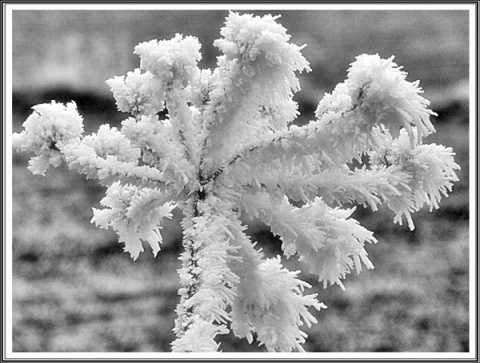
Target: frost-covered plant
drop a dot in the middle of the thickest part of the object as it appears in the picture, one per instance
(228, 147)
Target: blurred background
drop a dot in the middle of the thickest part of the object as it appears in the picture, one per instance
(74, 289)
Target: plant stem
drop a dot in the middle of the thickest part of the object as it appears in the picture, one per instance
(190, 279)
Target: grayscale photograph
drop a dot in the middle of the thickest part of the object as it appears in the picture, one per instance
(278, 179)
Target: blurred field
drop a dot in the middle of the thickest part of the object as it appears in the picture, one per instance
(76, 290)
(81, 49)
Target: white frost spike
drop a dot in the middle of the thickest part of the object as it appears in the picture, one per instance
(326, 239)
(170, 60)
(135, 215)
(200, 337)
(270, 303)
(46, 130)
(384, 96)
(110, 141)
(254, 85)
(430, 170)
(138, 93)
(269, 299)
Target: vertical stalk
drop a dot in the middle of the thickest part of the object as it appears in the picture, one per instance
(189, 277)
(208, 286)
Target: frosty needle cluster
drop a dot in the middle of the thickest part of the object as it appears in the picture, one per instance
(226, 147)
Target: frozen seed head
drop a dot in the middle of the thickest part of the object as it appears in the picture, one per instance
(45, 130)
(170, 60)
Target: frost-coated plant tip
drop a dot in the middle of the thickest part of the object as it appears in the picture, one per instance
(227, 146)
